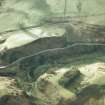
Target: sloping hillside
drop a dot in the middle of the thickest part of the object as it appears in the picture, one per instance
(14, 13)
(52, 52)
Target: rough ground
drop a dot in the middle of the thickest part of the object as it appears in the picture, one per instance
(10, 94)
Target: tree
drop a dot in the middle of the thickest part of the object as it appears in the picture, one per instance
(79, 6)
(65, 8)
